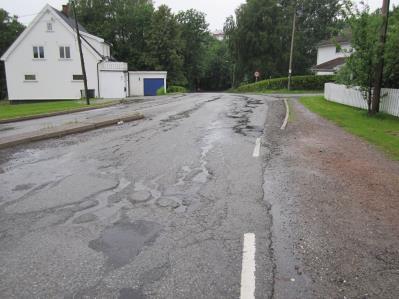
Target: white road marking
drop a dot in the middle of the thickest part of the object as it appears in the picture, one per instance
(257, 148)
(248, 267)
(287, 115)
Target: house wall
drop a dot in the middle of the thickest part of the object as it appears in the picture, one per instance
(136, 81)
(327, 53)
(53, 75)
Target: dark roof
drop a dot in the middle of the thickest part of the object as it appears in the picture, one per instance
(342, 39)
(70, 21)
(330, 65)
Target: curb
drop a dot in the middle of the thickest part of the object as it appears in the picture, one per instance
(23, 118)
(66, 130)
(287, 115)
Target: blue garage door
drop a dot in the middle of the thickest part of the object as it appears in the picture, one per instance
(151, 86)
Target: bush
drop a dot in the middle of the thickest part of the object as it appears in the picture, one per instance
(311, 82)
(176, 89)
(161, 91)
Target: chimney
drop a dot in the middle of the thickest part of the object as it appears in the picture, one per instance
(65, 9)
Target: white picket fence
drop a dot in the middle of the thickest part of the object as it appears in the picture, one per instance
(353, 97)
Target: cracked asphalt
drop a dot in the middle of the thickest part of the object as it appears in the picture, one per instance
(158, 208)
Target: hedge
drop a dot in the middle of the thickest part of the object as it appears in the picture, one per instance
(176, 89)
(311, 82)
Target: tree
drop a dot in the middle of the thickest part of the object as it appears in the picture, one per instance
(194, 35)
(217, 75)
(165, 47)
(361, 65)
(123, 23)
(10, 29)
(259, 36)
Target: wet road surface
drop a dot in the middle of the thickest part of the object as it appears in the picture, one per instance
(205, 198)
(152, 209)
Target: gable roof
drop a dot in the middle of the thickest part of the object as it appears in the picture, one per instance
(341, 39)
(63, 19)
(330, 66)
(70, 21)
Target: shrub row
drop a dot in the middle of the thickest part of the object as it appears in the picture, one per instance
(311, 82)
(176, 89)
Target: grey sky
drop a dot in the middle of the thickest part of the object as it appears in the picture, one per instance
(216, 10)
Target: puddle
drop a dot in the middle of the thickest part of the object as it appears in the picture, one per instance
(122, 242)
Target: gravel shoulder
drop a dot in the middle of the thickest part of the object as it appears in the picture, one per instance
(335, 201)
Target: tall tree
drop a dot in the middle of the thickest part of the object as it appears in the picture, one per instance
(260, 35)
(123, 23)
(194, 34)
(165, 47)
(10, 28)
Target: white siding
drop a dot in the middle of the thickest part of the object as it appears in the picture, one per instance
(327, 53)
(54, 75)
(136, 81)
(353, 97)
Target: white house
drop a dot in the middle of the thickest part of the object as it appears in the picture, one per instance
(331, 55)
(44, 63)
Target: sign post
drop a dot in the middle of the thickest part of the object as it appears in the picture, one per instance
(257, 75)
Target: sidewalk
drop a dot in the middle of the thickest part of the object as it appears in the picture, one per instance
(12, 134)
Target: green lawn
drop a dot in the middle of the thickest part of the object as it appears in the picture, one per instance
(382, 130)
(8, 111)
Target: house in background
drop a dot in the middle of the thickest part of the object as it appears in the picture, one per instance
(218, 34)
(331, 55)
(44, 63)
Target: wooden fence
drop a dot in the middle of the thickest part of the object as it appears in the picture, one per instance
(353, 97)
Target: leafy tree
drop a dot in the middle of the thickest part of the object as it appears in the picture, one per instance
(165, 47)
(123, 23)
(260, 35)
(218, 71)
(361, 65)
(194, 34)
(10, 29)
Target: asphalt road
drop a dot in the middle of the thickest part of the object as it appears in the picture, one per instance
(153, 209)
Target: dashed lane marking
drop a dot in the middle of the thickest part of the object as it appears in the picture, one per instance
(248, 267)
(257, 148)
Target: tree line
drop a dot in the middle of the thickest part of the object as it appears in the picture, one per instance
(257, 38)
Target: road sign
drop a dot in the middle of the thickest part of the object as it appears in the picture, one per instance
(257, 74)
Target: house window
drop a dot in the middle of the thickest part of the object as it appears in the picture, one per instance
(30, 77)
(77, 77)
(38, 52)
(65, 52)
(49, 26)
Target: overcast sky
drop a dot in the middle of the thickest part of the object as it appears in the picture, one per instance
(216, 10)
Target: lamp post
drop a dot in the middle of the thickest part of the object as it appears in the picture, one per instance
(292, 47)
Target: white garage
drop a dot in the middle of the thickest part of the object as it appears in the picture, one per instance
(146, 83)
(112, 80)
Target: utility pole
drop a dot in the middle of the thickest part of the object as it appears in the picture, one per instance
(375, 104)
(82, 61)
(292, 48)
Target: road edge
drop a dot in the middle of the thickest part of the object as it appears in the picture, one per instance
(66, 130)
(287, 115)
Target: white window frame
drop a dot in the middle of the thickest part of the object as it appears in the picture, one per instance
(64, 52)
(49, 24)
(77, 80)
(30, 80)
(38, 53)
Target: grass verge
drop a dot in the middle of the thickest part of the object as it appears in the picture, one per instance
(8, 112)
(381, 130)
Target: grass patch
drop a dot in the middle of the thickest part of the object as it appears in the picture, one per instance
(8, 111)
(381, 130)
